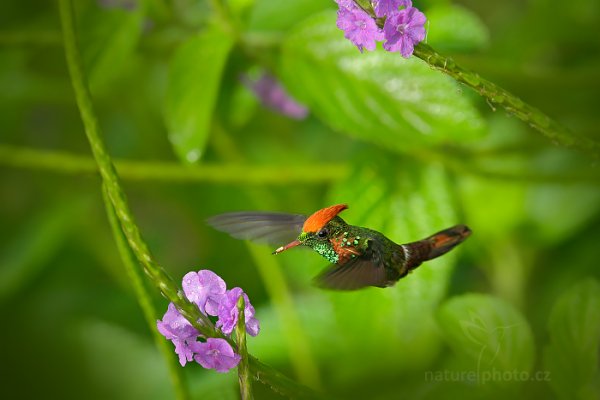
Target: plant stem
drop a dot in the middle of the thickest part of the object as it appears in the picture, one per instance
(65, 162)
(274, 280)
(144, 300)
(280, 383)
(243, 368)
(157, 274)
(496, 95)
(246, 174)
(109, 176)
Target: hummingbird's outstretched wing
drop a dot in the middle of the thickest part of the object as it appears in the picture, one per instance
(367, 269)
(355, 274)
(263, 227)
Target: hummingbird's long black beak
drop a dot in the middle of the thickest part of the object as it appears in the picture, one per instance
(288, 246)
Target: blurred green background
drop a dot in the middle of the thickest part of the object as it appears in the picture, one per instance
(515, 311)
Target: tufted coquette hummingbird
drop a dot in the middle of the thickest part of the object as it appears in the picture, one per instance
(360, 257)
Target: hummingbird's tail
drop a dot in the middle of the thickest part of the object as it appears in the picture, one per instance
(434, 245)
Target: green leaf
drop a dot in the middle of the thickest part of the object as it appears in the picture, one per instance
(572, 355)
(376, 96)
(194, 81)
(454, 28)
(108, 42)
(488, 334)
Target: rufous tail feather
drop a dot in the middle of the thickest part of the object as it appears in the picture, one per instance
(434, 246)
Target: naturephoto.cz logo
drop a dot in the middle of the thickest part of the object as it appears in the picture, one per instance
(483, 377)
(483, 343)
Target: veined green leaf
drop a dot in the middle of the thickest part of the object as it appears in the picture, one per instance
(376, 96)
(572, 355)
(194, 81)
(488, 334)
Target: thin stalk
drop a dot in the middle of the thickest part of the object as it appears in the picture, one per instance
(157, 274)
(301, 355)
(245, 174)
(495, 95)
(143, 298)
(243, 366)
(274, 280)
(109, 176)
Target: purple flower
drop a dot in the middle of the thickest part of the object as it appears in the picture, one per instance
(208, 291)
(358, 26)
(272, 95)
(178, 330)
(215, 354)
(387, 7)
(349, 4)
(205, 288)
(228, 313)
(403, 29)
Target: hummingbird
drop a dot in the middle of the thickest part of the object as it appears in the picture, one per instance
(359, 257)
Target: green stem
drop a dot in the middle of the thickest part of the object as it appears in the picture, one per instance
(64, 162)
(243, 366)
(274, 280)
(68, 163)
(280, 383)
(157, 275)
(113, 187)
(496, 95)
(144, 300)
(270, 272)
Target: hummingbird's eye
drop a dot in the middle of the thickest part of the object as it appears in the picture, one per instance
(323, 233)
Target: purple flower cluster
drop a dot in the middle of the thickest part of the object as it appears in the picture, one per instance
(272, 95)
(209, 292)
(403, 28)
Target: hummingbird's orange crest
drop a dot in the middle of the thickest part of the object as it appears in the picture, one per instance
(320, 218)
